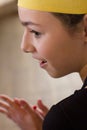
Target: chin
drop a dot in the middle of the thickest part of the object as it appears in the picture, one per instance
(57, 74)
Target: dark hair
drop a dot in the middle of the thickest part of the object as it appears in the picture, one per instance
(71, 20)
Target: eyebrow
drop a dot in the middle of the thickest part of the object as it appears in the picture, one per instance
(29, 23)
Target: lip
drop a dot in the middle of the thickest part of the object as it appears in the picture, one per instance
(43, 64)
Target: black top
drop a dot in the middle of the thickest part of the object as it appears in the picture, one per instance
(70, 113)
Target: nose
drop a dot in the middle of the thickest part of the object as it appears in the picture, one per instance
(26, 44)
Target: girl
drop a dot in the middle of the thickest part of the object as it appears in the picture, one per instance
(56, 35)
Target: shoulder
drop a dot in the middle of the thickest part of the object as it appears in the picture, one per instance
(76, 100)
(69, 112)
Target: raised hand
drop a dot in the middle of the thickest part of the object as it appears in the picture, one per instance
(22, 113)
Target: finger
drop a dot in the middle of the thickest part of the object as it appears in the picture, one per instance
(17, 101)
(6, 99)
(4, 108)
(20, 104)
(3, 111)
(26, 106)
(42, 106)
(38, 112)
(4, 105)
(12, 105)
(43, 109)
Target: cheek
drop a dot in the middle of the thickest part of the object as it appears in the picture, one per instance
(57, 54)
(56, 50)
(51, 49)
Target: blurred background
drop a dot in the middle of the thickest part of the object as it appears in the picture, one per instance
(20, 75)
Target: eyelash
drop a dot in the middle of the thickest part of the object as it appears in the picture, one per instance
(37, 34)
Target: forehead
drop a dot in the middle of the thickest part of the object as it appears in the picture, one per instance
(44, 19)
(27, 14)
(37, 16)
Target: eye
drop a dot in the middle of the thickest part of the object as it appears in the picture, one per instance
(36, 33)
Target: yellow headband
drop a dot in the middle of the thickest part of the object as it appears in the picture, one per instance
(61, 6)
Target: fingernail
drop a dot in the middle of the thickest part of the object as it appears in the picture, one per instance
(34, 107)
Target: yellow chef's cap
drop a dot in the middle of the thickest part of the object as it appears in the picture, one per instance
(60, 6)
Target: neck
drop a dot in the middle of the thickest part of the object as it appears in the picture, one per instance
(83, 73)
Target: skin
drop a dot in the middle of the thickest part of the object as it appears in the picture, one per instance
(64, 50)
(60, 53)
(24, 115)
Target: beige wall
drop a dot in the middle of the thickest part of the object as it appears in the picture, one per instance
(2, 2)
(20, 75)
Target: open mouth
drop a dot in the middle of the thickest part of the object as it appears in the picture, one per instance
(43, 63)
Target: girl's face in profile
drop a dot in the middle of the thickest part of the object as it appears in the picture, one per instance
(57, 50)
